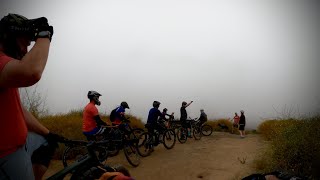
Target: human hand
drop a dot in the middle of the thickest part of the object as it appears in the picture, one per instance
(41, 28)
(114, 176)
(53, 139)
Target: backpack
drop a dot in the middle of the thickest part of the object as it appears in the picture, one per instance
(113, 115)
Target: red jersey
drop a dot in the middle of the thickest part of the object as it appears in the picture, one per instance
(89, 112)
(236, 120)
(13, 128)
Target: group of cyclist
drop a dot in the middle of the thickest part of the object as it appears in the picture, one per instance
(26, 146)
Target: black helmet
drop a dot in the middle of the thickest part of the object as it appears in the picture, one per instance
(184, 103)
(18, 25)
(165, 110)
(156, 104)
(15, 25)
(124, 104)
(92, 94)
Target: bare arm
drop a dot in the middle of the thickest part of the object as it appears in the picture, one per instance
(28, 70)
(34, 125)
(189, 103)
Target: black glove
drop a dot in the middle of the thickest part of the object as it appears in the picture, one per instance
(44, 32)
(53, 139)
(41, 28)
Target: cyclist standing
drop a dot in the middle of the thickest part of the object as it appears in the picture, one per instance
(92, 123)
(242, 124)
(164, 114)
(184, 115)
(26, 146)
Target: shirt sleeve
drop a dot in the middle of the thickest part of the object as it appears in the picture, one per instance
(3, 61)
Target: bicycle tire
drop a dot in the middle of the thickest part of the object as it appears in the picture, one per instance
(182, 135)
(206, 130)
(169, 135)
(131, 153)
(73, 153)
(145, 144)
(197, 133)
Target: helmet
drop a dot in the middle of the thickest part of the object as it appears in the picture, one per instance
(184, 103)
(242, 111)
(201, 110)
(94, 95)
(156, 104)
(15, 25)
(165, 110)
(124, 104)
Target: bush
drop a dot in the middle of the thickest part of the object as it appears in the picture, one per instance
(214, 124)
(295, 148)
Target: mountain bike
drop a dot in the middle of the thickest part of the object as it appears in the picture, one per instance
(120, 138)
(183, 133)
(88, 167)
(148, 140)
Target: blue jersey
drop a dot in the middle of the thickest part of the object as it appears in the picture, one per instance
(153, 116)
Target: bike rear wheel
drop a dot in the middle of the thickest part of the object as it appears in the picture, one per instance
(182, 135)
(197, 133)
(169, 139)
(206, 130)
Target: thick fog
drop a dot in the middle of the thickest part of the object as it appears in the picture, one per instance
(225, 55)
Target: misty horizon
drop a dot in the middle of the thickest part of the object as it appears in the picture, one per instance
(258, 56)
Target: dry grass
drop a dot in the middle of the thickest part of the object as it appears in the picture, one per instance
(70, 125)
(294, 147)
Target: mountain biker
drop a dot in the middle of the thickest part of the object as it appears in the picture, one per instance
(164, 118)
(92, 123)
(26, 146)
(203, 117)
(153, 116)
(184, 115)
(117, 114)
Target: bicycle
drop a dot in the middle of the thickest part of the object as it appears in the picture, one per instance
(182, 134)
(165, 136)
(125, 139)
(88, 167)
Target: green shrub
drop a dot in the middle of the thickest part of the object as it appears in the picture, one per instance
(295, 148)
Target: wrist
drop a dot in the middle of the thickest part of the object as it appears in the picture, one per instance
(44, 34)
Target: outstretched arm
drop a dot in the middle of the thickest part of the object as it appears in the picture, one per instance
(189, 104)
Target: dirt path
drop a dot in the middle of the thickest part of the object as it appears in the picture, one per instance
(216, 157)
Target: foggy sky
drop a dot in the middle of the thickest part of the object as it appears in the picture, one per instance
(225, 55)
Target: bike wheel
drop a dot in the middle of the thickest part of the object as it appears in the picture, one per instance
(196, 133)
(182, 135)
(145, 144)
(169, 139)
(131, 153)
(72, 154)
(206, 130)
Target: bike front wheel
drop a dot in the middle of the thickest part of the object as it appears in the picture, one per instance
(169, 139)
(145, 144)
(197, 133)
(206, 130)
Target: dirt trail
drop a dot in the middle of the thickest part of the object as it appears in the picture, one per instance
(216, 157)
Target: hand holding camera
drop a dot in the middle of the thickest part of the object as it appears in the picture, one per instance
(41, 29)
